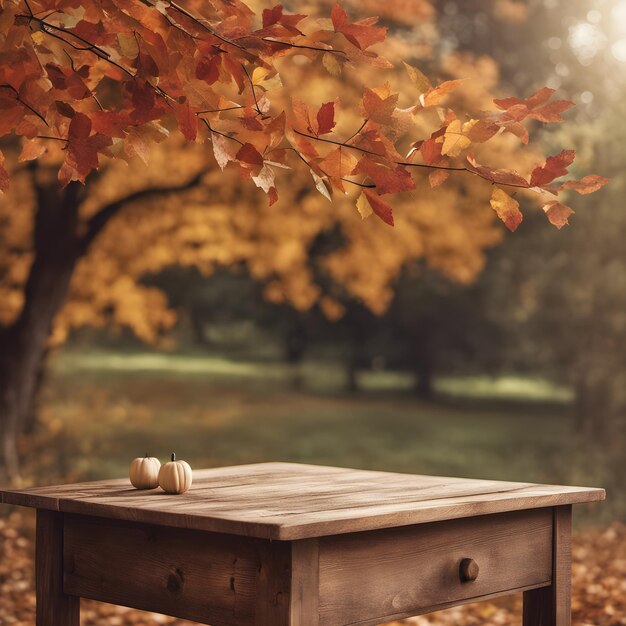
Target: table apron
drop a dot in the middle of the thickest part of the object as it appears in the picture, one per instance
(371, 577)
(357, 578)
(211, 578)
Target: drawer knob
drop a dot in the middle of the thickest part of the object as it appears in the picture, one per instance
(468, 570)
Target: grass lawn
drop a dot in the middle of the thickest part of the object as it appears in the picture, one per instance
(102, 409)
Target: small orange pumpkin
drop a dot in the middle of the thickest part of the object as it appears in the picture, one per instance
(175, 476)
(144, 472)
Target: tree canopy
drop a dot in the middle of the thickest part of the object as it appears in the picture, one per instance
(108, 79)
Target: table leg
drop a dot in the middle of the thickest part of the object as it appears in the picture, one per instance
(551, 606)
(54, 607)
(304, 609)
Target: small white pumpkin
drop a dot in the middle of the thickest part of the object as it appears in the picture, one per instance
(144, 472)
(175, 476)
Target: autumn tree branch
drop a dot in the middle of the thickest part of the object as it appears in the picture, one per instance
(97, 223)
(408, 163)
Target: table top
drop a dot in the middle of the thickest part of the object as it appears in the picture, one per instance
(294, 501)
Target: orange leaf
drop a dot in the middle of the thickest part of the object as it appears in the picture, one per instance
(586, 185)
(482, 131)
(438, 177)
(339, 163)
(379, 105)
(557, 213)
(32, 149)
(503, 177)
(435, 95)
(506, 208)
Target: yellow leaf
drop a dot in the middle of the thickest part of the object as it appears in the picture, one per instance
(363, 206)
(128, 45)
(259, 75)
(38, 37)
(454, 140)
(507, 208)
(331, 64)
(417, 78)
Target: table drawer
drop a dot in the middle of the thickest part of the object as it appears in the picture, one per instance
(410, 570)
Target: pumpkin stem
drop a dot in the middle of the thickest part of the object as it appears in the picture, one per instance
(173, 456)
(146, 455)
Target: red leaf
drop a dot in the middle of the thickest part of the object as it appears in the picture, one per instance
(557, 213)
(554, 167)
(144, 102)
(431, 148)
(538, 98)
(208, 69)
(326, 118)
(82, 150)
(272, 195)
(272, 16)
(80, 128)
(380, 207)
(187, 121)
(339, 17)
(361, 34)
(110, 123)
(386, 180)
(535, 106)
(585, 185)
(249, 154)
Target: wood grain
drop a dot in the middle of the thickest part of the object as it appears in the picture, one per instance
(273, 585)
(372, 577)
(54, 606)
(288, 501)
(305, 583)
(205, 577)
(551, 606)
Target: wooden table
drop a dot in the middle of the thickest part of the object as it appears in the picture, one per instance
(277, 544)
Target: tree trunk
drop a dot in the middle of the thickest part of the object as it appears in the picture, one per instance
(58, 244)
(23, 345)
(423, 385)
(424, 362)
(594, 409)
(295, 349)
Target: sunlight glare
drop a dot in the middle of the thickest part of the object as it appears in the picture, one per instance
(586, 40)
(619, 50)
